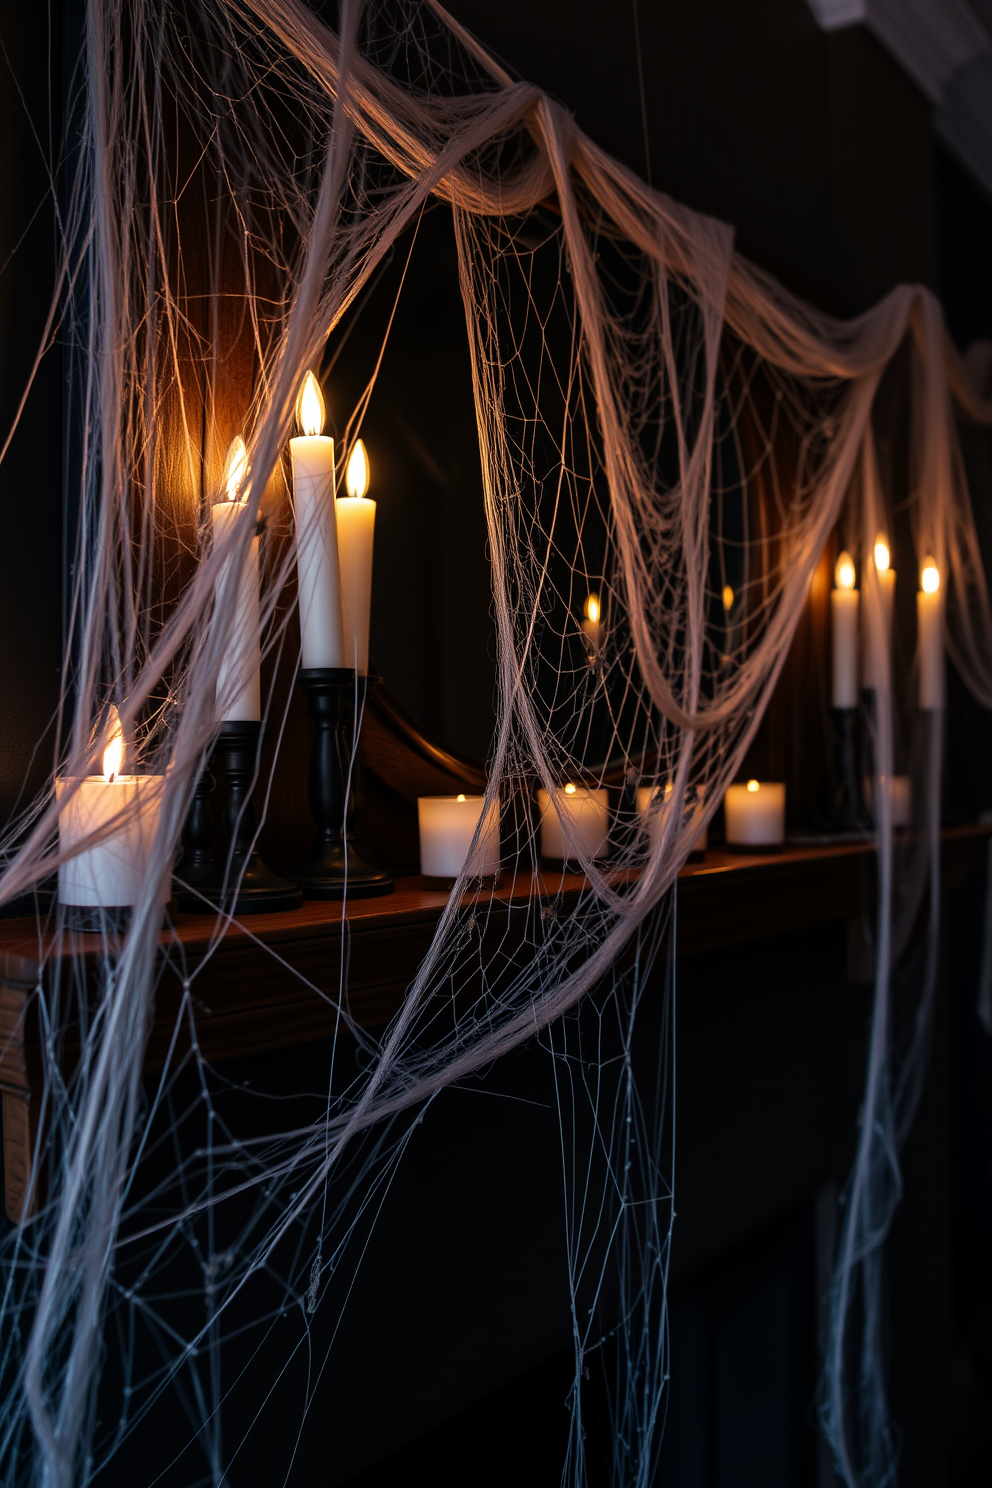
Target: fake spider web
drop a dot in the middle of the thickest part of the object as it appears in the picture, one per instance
(659, 423)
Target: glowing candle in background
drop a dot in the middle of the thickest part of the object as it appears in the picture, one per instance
(573, 821)
(653, 806)
(238, 683)
(930, 622)
(755, 814)
(447, 827)
(844, 607)
(885, 579)
(112, 873)
(356, 530)
(317, 563)
(592, 625)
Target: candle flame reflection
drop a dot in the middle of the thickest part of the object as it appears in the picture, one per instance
(753, 786)
(310, 407)
(235, 468)
(882, 555)
(113, 755)
(930, 577)
(358, 474)
(844, 572)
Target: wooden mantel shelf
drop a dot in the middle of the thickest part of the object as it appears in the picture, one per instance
(276, 981)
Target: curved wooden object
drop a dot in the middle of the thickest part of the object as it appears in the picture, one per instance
(407, 759)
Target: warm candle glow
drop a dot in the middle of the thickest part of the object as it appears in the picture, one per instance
(591, 608)
(356, 477)
(930, 577)
(310, 407)
(728, 598)
(882, 558)
(570, 790)
(113, 755)
(235, 468)
(844, 572)
(460, 798)
(753, 786)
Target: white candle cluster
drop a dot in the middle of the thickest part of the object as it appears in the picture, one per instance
(844, 618)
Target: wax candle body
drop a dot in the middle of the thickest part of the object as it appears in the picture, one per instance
(447, 827)
(113, 873)
(238, 685)
(317, 558)
(575, 821)
(356, 530)
(755, 817)
(930, 622)
(900, 798)
(844, 607)
(885, 580)
(652, 808)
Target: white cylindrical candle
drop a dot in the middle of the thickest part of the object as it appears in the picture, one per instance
(576, 820)
(113, 873)
(844, 607)
(885, 587)
(317, 560)
(239, 690)
(356, 531)
(930, 622)
(447, 827)
(755, 814)
(652, 809)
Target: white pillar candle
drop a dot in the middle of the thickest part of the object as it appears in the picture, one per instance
(239, 689)
(652, 809)
(576, 820)
(447, 827)
(844, 606)
(112, 874)
(356, 530)
(317, 562)
(755, 814)
(930, 623)
(900, 797)
(885, 587)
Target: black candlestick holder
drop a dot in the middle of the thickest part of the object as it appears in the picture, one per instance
(238, 882)
(338, 865)
(198, 833)
(848, 814)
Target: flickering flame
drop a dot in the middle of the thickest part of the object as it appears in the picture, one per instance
(235, 468)
(459, 798)
(592, 608)
(356, 477)
(113, 755)
(753, 787)
(930, 577)
(310, 407)
(570, 789)
(728, 598)
(844, 572)
(882, 557)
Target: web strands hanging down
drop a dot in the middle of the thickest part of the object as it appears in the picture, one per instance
(657, 419)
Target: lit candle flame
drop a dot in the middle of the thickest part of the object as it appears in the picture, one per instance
(882, 555)
(235, 468)
(570, 789)
(310, 407)
(930, 577)
(113, 755)
(356, 477)
(844, 572)
(753, 787)
(592, 608)
(459, 798)
(728, 598)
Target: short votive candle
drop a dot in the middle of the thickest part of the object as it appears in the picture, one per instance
(574, 823)
(447, 829)
(755, 814)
